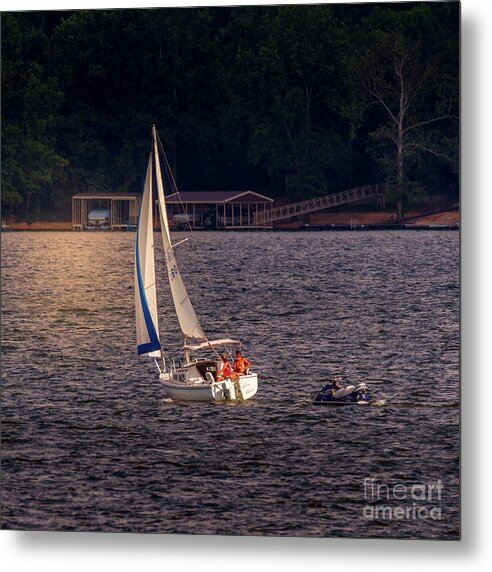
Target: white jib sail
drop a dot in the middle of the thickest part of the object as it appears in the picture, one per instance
(188, 321)
(145, 291)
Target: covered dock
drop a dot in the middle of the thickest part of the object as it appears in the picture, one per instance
(122, 209)
(217, 209)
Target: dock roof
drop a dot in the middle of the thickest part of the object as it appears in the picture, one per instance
(108, 196)
(215, 197)
(200, 197)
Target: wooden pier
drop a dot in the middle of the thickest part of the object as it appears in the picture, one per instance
(270, 216)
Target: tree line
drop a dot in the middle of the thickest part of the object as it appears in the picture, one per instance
(294, 101)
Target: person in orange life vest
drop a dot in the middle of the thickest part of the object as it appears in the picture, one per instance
(241, 364)
(226, 370)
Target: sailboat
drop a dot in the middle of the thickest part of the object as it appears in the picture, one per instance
(189, 378)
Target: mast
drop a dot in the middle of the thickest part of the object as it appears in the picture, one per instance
(186, 352)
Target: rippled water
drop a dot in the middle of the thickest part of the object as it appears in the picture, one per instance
(89, 441)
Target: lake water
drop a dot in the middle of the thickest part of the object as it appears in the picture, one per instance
(89, 441)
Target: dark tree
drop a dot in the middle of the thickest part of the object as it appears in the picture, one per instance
(31, 100)
(403, 71)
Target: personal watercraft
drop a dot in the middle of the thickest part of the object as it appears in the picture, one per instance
(335, 394)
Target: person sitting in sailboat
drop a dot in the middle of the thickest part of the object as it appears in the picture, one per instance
(226, 370)
(241, 364)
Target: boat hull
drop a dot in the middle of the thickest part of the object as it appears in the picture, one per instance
(340, 403)
(242, 389)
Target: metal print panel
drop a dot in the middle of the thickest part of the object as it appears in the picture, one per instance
(309, 156)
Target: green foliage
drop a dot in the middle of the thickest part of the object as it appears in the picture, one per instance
(292, 84)
(31, 100)
(405, 91)
(269, 98)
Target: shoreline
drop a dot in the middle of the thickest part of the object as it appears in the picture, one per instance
(307, 228)
(334, 221)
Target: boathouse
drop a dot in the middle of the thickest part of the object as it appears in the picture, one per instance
(122, 211)
(217, 209)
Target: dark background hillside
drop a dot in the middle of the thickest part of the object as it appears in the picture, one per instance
(292, 101)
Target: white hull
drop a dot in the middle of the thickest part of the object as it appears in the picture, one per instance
(341, 403)
(244, 388)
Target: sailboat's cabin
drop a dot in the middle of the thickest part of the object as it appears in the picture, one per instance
(198, 371)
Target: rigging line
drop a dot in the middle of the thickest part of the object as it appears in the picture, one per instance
(176, 190)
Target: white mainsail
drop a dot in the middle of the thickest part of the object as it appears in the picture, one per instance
(145, 291)
(188, 321)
